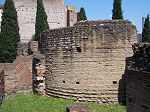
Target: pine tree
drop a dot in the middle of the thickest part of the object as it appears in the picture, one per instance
(117, 10)
(9, 33)
(82, 15)
(41, 19)
(146, 30)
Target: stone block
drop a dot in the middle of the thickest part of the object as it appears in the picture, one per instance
(78, 108)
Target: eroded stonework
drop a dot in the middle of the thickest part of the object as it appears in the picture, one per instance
(57, 16)
(138, 79)
(87, 62)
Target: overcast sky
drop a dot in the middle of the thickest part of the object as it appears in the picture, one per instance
(133, 10)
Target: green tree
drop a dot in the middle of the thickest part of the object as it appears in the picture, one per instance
(117, 10)
(82, 15)
(146, 30)
(41, 19)
(9, 33)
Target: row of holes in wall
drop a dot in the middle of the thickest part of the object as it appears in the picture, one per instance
(114, 82)
(76, 82)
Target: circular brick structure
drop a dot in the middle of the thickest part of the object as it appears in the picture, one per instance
(87, 62)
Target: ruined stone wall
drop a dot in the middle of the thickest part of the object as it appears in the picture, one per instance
(26, 49)
(71, 15)
(138, 91)
(18, 75)
(86, 62)
(1, 85)
(138, 79)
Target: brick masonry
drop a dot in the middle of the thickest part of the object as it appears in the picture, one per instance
(138, 79)
(87, 62)
(1, 85)
(138, 91)
(18, 75)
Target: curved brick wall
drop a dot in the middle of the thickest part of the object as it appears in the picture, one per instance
(86, 62)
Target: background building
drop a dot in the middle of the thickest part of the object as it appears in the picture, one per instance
(58, 16)
(1, 10)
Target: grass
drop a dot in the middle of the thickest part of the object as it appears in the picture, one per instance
(35, 103)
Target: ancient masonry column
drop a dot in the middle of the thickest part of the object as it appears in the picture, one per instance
(38, 74)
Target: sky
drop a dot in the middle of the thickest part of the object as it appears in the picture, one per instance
(133, 10)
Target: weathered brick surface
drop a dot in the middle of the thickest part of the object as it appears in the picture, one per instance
(138, 79)
(33, 47)
(138, 91)
(78, 108)
(18, 75)
(86, 62)
(1, 85)
(38, 74)
(26, 49)
(22, 49)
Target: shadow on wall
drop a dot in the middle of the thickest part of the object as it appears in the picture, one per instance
(122, 85)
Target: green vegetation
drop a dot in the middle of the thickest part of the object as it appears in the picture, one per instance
(117, 10)
(9, 33)
(82, 15)
(35, 103)
(146, 30)
(41, 23)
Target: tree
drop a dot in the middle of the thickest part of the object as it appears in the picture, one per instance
(146, 30)
(117, 10)
(9, 33)
(82, 15)
(41, 19)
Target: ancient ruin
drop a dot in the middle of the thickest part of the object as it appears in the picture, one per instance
(91, 61)
(95, 61)
(138, 79)
(87, 62)
(58, 16)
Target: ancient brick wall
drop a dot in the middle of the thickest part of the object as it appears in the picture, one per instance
(33, 46)
(86, 62)
(71, 15)
(22, 49)
(38, 73)
(18, 75)
(138, 79)
(55, 13)
(1, 85)
(138, 91)
(26, 49)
